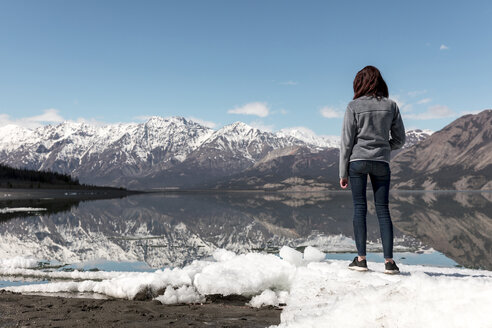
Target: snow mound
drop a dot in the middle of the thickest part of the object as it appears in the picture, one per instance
(17, 262)
(183, 294)
(269, 297)
(327, 292)
(312, 254)
(312, 294)
(291, 255)
(245, 274)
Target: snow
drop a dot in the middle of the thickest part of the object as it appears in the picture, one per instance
(158, 141)
(331, 243)
(329, 293)
(312, 254)
(291, 255)
(20, 209)
(18, 262)
(245, 274)
(183, 294)
(269, 298)
(308, 136)
(311, 291)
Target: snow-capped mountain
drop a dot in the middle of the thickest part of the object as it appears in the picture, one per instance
(415, 136)
(160, 153)
(309, 137)
(124, 154)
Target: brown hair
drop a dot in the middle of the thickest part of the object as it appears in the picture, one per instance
(369, 82)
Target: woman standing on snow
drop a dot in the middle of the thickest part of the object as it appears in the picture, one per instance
(372, 128)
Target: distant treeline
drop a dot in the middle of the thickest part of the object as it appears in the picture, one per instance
(23, 178)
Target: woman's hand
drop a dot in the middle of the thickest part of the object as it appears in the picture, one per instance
(344, 183)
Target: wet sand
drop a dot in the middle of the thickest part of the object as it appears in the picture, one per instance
(17, 310)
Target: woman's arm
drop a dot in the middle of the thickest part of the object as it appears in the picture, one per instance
(349, 129)
(398, 136)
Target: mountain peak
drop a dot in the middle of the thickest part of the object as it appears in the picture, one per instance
(170, 119)
(459, 156)
(239, 127)
(309, 136)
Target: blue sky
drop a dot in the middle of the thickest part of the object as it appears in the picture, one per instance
(273, 64)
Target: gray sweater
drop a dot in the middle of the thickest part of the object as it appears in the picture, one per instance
(372, 128)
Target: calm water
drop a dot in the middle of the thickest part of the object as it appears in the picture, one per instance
(149, 231)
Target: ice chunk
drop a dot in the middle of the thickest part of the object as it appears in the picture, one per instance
(312, 254)
(183, 294)
(269, 297)
(291, 255)
(245, 274)
(221, 255)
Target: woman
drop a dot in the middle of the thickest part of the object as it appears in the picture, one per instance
(372, 128)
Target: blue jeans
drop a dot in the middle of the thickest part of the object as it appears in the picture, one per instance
(380, 175)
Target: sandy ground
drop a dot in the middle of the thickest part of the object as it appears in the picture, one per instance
(17, 310)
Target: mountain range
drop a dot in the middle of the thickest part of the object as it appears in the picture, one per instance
(160, 153)
(176, 153)
(457, 157)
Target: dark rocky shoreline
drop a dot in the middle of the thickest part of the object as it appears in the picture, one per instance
(18, 310)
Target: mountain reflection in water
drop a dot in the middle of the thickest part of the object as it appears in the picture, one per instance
(174, 229)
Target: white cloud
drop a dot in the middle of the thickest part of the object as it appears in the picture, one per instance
(398, 100)
(443, 47)
(290, 82)
(90, 121)
(424, 101)
(433, 112)
(260, 125)
(208, 124)
(260, 109)
(280, 111)
(416, 93)
(330, 112)
(407, 108)
(473, 112)
(48, 116)
(143, 117)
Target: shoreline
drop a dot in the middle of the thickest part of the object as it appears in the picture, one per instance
(66, 193)
(47, 311)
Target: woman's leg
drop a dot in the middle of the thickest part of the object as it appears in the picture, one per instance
(358, 183)
(380, 178)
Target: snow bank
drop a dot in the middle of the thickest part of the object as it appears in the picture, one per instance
(312, 294)
(245, 274)
(269, 297)
(329, 295)
(18, 262)
(183, 294)
(125, 285)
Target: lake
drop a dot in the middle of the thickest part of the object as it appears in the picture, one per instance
(148, 231)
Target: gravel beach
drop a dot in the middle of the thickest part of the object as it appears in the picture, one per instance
(18, 310)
